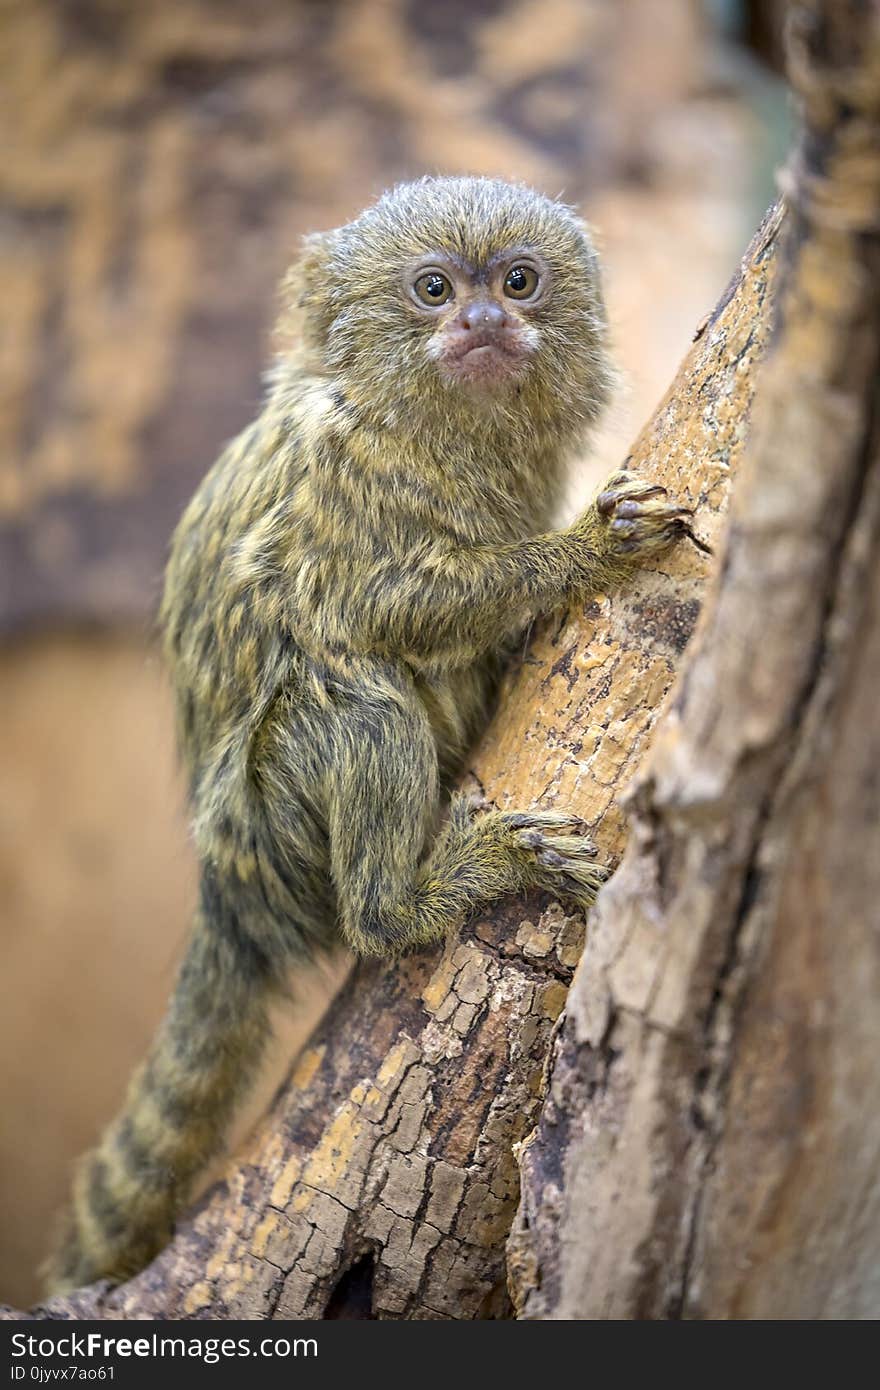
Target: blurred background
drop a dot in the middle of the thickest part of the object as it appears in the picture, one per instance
(160, 163)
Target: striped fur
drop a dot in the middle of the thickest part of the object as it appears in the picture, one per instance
(338, 593)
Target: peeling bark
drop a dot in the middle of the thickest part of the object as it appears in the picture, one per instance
(383, 1183)
(710, 1143)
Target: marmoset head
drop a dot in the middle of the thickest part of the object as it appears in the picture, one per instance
(454, 293)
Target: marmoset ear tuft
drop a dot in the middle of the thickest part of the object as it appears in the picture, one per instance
(307, 308)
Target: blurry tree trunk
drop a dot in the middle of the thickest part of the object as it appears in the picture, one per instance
(384, 1183)
(710, 1144)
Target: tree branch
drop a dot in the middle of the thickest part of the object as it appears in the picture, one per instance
(710, 1143)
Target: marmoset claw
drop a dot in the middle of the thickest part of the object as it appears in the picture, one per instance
(639, 523)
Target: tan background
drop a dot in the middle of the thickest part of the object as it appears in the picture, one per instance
(162, 162)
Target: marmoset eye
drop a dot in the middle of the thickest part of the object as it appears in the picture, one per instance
(520, 282)
(433, 288)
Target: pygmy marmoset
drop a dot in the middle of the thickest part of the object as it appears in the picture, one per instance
(337, 595)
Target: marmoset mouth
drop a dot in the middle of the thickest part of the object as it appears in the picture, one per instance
(486, 360)
(484, 348)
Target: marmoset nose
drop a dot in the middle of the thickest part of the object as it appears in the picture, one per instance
(482, 313)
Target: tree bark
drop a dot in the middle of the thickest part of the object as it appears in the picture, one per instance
(383, 1183)
(710, 1143)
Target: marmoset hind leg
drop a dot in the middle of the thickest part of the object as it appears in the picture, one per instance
(384, 803)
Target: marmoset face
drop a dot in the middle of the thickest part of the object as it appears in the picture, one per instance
(481, 316)
(454, 292)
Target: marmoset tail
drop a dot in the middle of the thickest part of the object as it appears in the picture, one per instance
(337, 598)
